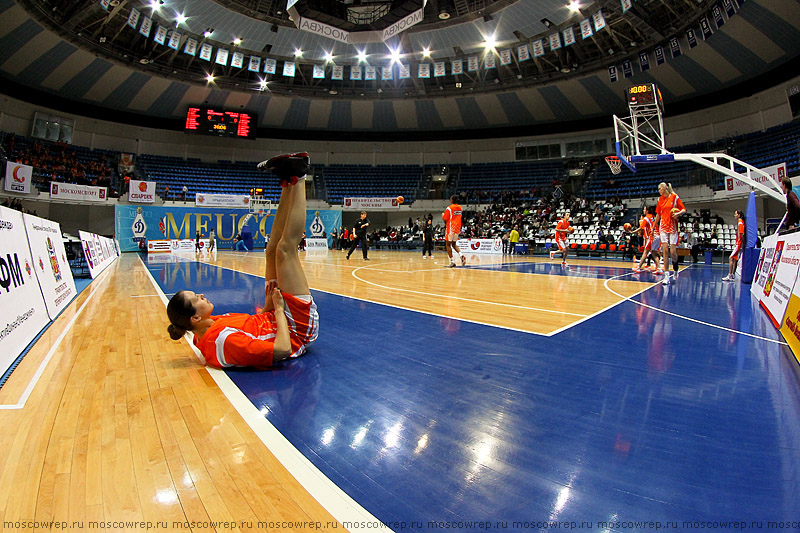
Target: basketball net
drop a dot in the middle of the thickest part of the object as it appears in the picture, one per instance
(615, 163)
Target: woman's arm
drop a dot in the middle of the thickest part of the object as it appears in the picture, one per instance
(283, 345)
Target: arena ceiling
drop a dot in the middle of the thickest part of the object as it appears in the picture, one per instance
(85, 56)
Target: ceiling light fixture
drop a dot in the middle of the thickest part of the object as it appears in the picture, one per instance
(208, 32)
(362, 55)
(298, 52)
(237, 41)
(574, 6)
(426, 52)
(490, 42)
(180, 18)
(547, 23)
(210, 78)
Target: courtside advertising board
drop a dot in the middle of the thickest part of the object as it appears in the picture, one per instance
(50, 263)
(23, 313)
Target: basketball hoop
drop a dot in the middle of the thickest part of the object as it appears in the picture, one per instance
(615, 163)
(260, 205)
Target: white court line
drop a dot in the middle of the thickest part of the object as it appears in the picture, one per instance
(23, 399)
(333, 499)
(459, 297)
(709, 324)
(146, 296)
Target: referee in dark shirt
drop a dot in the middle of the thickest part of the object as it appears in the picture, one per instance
(360, 230)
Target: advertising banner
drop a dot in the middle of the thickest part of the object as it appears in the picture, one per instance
(69, 191)
(176, 246)
(221, 200)
(734, 186)
(143, 192)
(480, 246)
(18, 177)
(150, 222)
(100, 252)
(50, 263)
(23, 313)
(351, 203)
(316, 244)
(776, 274)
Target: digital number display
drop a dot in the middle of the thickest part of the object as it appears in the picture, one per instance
(641, 95)
(209, 121)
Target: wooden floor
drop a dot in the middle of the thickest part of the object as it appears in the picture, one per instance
(125, 427)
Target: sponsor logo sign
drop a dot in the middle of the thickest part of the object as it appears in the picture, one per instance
(18, 178)
(69, 191)
(142, 192)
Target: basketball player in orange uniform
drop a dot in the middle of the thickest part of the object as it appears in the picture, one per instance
(739, 246)
(669, 208)
(452, 220)
(647, 230)
(289, 321)
(562, 231)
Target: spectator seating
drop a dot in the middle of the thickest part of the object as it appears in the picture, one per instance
(365, 180)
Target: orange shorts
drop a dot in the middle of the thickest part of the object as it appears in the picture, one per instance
(303, 318)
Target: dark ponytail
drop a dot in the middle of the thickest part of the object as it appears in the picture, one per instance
(180, 312)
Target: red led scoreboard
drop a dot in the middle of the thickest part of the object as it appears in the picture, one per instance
(210, 121)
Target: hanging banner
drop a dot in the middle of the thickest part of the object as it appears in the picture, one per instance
(505, 57)
(457, 66)
(424, 70)
(538, 48)
(438, 69)
(599, 21)
(555, 41)
(191, 47)
(69, 191)
(729, 9)
(237, 60)
(523, 53)
(691, 37)
(147, 23)
(355, 72)
(161, 35)
(403, 71)
(716, 12)
(222, 57)
(18, 178)
(370, 72)
(363, 203)
(174, 40)
(612, 73)
(205, 52)
(569, 36)
(472, 63)
(675, 47)
(489, 61)
(221, 200)
(133, 18)
(627, 68)
(337, 73)
(586, 28)
(254, 65)
(270, 65)
(289, 69)
(659, 53)
(23, 313)
(626, 5)
(387, 73)
(318, 72)
(142, 192)
(644, 61)
(50, 263)
(705, 28)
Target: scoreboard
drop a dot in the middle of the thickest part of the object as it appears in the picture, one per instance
(647, 94)
(220, 123)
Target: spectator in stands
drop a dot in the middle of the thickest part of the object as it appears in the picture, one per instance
(792, 205)
(5, 203)
(166, 193)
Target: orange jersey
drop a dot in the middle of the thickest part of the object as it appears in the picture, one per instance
(562, 224)
(739, 234)
(452, 218)
(239, 339)
(664, 208)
